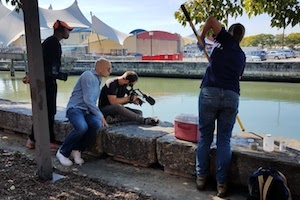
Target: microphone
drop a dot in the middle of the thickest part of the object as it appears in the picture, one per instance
(150, 100)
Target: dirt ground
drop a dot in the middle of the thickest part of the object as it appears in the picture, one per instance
(19, 181)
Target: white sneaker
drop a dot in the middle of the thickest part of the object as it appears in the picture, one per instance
(77, 157)
(63, 160)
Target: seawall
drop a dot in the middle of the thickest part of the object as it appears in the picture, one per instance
(279, 71)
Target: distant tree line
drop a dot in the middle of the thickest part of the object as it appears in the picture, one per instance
(272, 41)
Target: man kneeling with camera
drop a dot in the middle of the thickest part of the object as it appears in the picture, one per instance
(114, 95)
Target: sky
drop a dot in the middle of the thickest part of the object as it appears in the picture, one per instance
(126, 16)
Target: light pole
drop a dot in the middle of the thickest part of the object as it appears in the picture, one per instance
(151, 34)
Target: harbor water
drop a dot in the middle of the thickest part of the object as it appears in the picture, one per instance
(265, 107)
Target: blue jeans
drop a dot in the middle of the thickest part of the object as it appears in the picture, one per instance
(85, 127)
(216, 104)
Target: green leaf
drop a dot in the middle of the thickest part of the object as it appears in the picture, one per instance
(282, 12)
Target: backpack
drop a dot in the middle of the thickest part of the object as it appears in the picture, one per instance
(268, 184)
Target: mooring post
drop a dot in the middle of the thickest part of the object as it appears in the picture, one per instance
(25, 62)
(12, 68)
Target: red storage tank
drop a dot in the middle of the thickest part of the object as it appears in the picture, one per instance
(146, 58)
(170, 56)
(180, 56)
(155, 57)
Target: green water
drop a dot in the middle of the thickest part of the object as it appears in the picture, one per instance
(265, 107)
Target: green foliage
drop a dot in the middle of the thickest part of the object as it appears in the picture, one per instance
(292, 39)
(200, 10)
(270, 41)
(282, 12)
(17, 3)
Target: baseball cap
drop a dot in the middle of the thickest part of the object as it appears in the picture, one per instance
(63, 24)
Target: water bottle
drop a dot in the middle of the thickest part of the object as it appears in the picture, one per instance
(268, 143)
(282, 146)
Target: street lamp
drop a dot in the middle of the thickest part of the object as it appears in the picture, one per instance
(151, 34)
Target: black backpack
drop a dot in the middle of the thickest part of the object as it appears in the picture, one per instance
(268, 184)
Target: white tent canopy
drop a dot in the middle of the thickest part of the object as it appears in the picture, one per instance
(72, 15)
(103, 29)
(3, 10)
(14, 27)
(14, 22)
(193, 37)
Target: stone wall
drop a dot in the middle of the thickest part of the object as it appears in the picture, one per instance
(146, 146)
(255, 71)
(282, 71)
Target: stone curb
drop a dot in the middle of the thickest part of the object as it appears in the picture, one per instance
(149, 145)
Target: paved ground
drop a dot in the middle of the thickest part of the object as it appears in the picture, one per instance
(152, 181)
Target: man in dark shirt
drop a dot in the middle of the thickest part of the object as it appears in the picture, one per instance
(114, 95)
(219, 100)
(52, 62)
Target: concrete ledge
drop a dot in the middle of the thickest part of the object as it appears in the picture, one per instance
(283, 71)
(147, 145)
(16, 116)
(96, 148)
(245, 161)
(61, 129)
(280, 71)
(134, 144)
(176, 156)
(15, 122)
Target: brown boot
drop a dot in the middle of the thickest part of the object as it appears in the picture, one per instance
(222, 190)
(201, 181)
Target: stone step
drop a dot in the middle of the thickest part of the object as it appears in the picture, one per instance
(143, 145)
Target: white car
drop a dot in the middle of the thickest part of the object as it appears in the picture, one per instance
(287, 53)
(257, 55)
(277, 55)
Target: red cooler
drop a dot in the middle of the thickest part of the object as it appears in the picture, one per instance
(186, 127)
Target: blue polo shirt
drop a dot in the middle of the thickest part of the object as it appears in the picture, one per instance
(226, 65)
(86, 93)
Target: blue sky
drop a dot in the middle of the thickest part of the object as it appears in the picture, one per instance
(128, 15)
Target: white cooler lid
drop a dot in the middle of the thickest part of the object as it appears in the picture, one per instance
(187, 118)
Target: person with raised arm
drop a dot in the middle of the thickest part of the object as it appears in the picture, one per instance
(219, 100)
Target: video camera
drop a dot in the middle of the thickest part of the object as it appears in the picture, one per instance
(137, 92)
(63, 76)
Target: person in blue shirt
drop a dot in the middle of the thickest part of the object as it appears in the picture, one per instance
(219, 100)
(84, 114)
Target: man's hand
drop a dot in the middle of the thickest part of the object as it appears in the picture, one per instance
(136, 100)
(104, 123)
(133, 99)
(26, 79)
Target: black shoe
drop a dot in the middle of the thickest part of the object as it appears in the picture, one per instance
(151, 121)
